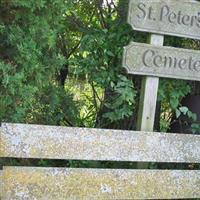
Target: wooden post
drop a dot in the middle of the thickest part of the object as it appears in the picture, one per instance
(148, 98)
(142, 18)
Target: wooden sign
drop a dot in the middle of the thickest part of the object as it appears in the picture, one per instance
(145, 59)
(41, 183)
(168, 17)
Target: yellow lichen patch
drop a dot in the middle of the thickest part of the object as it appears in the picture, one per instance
(35, 141)
(60, 184)
(2, 144)
(1, 183)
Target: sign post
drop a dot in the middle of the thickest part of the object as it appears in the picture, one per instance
(166, 17)
(148, 97)
(169, 17)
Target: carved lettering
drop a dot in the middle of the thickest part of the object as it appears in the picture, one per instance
(186, 20)
(152, 58)
(150, 15)
(182, 63)
(198, 20)
(168, 61)
(172, 18)
(142, 14)
(169, 16)
(164, 12)
(157, 61)
(145, 56)
(190, 63)
(180, 18)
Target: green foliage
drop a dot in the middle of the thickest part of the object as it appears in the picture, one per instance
(30, 61)
(99, 61)
(61, 63)
(195, 128)
(170, 94)
(122, 103)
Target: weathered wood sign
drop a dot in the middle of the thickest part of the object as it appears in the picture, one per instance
(22, 183)
(51, 142)
(161, 17)
(170, 17)
(145, 59)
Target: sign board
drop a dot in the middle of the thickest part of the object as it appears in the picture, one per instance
(145, 59)
(168, 17)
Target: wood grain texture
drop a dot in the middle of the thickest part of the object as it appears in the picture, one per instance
(167, 17)
(1, 183)
(168, 62)
(61, 184)
(148, 96)
(51, 142)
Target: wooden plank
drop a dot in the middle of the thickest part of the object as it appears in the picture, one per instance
(1, 183)
(148, 97)
(166, 62)
(60, 183)
(167, 17)
(147, 104)
(51, 142)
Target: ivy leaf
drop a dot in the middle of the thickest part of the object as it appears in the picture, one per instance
(196, 128)
(110, 54)
(178, 113)
(184, 110)
(174, 103)
(192, 115)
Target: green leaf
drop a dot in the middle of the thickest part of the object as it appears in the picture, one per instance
(174, 103)
(110, 54)
(192, 115)
(178, 113)
(196, 128)
(184, 110)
